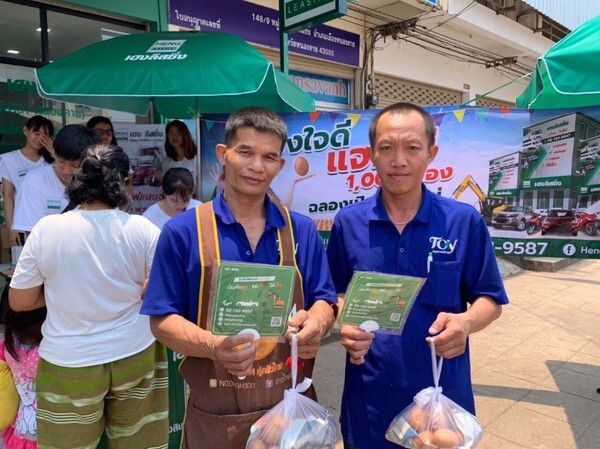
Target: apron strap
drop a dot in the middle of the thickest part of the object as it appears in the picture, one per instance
(210, 256)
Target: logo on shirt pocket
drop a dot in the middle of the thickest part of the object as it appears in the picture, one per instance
(441, 245)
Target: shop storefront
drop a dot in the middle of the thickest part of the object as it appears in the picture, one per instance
(35, 33)
(322, 60)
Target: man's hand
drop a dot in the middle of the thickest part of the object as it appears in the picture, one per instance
(357, 342)
(311, 325)
(235, 353)
(451, 331)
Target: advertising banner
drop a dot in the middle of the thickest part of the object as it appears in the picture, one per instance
(144, 144)
(522, 170)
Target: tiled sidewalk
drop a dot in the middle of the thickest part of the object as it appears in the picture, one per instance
(537, 368)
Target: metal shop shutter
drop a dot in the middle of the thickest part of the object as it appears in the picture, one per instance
(392, 90)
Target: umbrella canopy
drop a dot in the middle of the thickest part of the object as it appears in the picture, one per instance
(184, 73)
(568, 75)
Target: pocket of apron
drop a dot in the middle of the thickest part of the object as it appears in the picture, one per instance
(207, 431)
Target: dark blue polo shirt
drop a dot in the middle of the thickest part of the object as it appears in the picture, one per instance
(464, 267)
(175, 276)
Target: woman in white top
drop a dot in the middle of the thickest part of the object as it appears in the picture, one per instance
(177, 187)
(37, 152)
(89, 267)
(180, 148)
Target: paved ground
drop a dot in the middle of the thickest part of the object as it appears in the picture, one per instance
(535, 370)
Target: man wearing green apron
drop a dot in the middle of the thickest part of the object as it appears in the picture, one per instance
(235, 379)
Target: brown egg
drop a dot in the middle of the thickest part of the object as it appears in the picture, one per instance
(427, 437)
(447, 438)
(272, 432)
(418, 419)
(301, 166)
(257, 444)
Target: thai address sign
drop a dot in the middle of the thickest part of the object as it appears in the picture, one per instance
(300, 14)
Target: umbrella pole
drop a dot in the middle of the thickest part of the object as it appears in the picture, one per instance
(198, 159)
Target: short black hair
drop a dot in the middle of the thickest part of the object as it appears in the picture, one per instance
(71, 141)
(260, 119)
(178, 181)
(400, 109)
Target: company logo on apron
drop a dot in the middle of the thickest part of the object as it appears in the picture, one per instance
(162, 49)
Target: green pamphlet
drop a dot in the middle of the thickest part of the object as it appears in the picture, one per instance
(253, 296)
(380, 301)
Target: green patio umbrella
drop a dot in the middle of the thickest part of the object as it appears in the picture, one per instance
(568, 75)
(184, 73)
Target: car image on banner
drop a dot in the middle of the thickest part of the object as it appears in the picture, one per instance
(560, 220)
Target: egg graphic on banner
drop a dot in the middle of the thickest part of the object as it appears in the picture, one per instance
(301, 166)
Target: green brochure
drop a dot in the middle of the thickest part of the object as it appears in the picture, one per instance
(253, 296)
(380, 301)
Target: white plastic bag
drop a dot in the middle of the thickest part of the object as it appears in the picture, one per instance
(433, 421)
(296, 422)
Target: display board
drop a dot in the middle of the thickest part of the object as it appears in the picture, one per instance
(532, 174)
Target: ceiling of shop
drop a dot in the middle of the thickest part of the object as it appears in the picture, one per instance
(67, 33)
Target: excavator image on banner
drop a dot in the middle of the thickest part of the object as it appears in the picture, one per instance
(487, 204)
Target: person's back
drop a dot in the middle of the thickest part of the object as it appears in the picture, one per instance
(106, 257)
(91, 265)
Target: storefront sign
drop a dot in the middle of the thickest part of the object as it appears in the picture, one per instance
(325, 89)
(260, 25)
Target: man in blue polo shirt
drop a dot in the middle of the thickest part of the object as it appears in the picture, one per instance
(405, 229)
(234, 379)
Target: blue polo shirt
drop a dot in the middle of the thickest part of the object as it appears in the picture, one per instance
(174, 282)
(464, 267)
